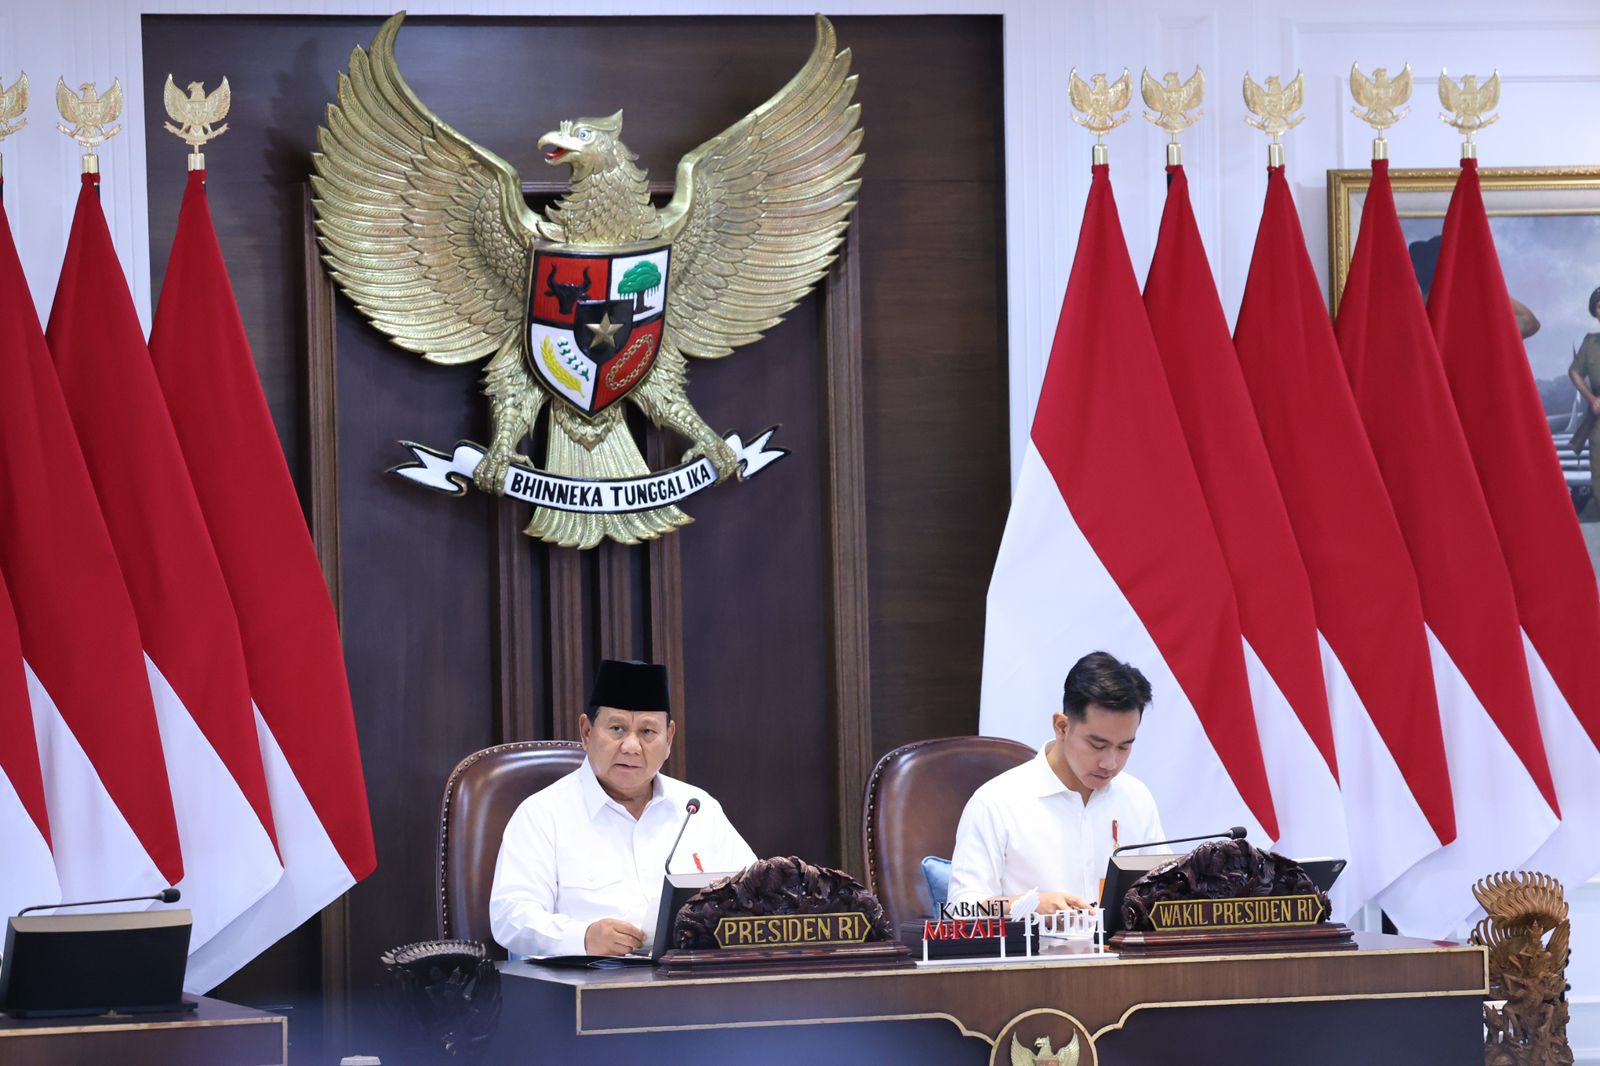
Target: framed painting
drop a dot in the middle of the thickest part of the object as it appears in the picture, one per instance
(1546, 228)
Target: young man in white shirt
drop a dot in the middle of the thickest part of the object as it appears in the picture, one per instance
(581, 862)
(1052, 822)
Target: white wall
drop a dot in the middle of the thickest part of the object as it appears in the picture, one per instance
(1548, 52)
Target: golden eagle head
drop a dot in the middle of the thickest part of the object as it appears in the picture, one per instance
(587, 145)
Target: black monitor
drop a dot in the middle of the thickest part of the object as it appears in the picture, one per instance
(1124, 870)
(676, 890)
(78, 964)
(1121, 872)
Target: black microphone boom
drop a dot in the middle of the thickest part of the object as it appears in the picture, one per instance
(691, 808)
(166, 895)
(1236, 833)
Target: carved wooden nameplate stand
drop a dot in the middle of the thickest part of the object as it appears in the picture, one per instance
(783, 911)
(1227, 898)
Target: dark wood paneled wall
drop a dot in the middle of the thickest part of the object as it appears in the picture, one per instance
(824, 612)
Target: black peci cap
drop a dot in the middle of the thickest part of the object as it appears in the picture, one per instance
(630, 685)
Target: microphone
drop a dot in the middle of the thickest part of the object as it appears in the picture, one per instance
(691, 809)
(1236, 833)
(166, 895)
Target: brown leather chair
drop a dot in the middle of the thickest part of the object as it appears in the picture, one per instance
(479, 798)
(913, 804)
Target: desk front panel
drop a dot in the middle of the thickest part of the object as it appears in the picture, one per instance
(1394, 991)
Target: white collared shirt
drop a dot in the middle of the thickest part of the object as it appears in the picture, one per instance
(1025, 829)
(572, 855)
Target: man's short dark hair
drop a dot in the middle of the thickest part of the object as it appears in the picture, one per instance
(1104, 680)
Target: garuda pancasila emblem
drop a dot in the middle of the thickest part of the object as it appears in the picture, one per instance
(598, 300)
(1044, 1055)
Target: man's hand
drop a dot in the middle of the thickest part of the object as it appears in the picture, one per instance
(612, 936)
(1051, 902)
(1594, 404)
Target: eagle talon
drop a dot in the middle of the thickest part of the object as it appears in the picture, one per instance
(721, 455)
(490, 475)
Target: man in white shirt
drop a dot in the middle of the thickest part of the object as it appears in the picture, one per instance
(581, 862)
(1052, 822)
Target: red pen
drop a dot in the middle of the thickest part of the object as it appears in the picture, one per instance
(697, 865)
(1114, 841)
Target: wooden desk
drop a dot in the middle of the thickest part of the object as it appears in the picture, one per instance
(1394, 1000)
(214, 1034)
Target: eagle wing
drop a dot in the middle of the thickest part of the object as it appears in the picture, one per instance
(1450, 94)
(1488, 93)
(67, 102)
(1069, 1054)
(426, 231)
(1020, 1056)
(1401, 88)
(1121, 92)
(1255, 97)
(177, 102)
(218, 101)
(1294, 94)
(1079, 92)
(759, 210)
(1193, 90)
(109, 105)
(1361, 86)
(1154, 93)
(14, 101)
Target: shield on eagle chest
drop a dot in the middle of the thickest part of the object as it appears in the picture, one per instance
(595, 321)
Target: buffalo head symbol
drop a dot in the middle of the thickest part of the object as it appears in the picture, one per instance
(566, 295)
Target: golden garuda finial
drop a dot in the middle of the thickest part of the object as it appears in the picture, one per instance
(1381, 101)
(90, 114)
(1274, 105)
(1379, 96)
(1170, 103)
(197, 115)
(1100, 103)
(1468, 101)
(13, 102)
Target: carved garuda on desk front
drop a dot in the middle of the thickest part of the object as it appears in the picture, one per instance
(599, 299)
(1526, 970)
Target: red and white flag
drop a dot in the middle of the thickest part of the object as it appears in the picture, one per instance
(1392, 770)
(1487, 370)
(30, 869)
(1282, 653)
(1505, 799)
(186, 622)
(111, 824)
(304, 720)
(1109, 546)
